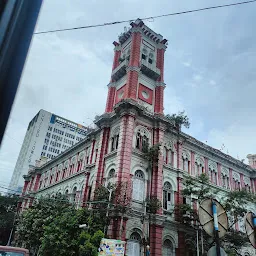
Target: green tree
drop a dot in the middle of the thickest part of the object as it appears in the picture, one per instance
(8, 208)
(179, 119)
(51, 227)
(89, 244)
(234, 202)
(32, 222)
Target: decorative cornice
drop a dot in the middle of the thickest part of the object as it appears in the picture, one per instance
(161, 84)
(111, 84)
(132, 68)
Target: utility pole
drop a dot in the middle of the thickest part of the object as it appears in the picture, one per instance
(216, 227)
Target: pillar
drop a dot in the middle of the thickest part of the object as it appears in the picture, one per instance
(242, 180)
(124, 151)
(192, 172)
(38, 176)
(156, 238)
(231, 179)
(159, 99)
(157, 173)
(219, 174)
(133, 69)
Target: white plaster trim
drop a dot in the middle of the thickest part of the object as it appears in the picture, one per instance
(199, 160)
(186, 154)
(247, 181)
(212, 166)
(172, 238)
(224, 171)
(171, 181)
(236, 176)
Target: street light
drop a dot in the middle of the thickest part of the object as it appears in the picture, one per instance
(83, 226)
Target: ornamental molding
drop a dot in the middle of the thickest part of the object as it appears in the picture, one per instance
(115, 130)
(132, 68)
(212, 166)
(81, 155)
(66, 164)
(186, 154)
(225, 171)
(247, 181)
(199, 160)
(60, 167)
(236, 176)
(73, 159)
(161, 84)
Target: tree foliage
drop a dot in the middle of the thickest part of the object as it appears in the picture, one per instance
(234, 202)
(179, 119)
(8, 207)
(51, 226)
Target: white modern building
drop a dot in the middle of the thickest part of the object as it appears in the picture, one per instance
(47, 136)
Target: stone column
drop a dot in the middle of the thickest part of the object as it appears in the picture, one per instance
(156, 239)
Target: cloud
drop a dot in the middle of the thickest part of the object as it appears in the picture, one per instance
(238, 140)
(66, 73)
(212, 82)
(197, 78)
(186, 64)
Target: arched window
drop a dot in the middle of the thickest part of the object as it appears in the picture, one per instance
(114, 139)
(111, 177)
(185, 162)
(213, 175)
(225, 180)
(142, 141)
(168, 155)
(167, 248)
(199, 166)
(138, 186)
(199, 169)
(73, 196)
(167, 196)
(133, 245)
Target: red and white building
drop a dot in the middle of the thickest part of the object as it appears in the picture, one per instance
(133, 118)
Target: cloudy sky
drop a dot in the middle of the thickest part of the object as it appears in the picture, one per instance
(209, 69)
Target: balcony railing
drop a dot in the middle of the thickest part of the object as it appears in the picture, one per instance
(149, 70)
(120, 71)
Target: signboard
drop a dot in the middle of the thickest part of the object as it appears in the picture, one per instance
(111, 247)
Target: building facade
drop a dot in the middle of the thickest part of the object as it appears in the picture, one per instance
(114, 152)
(48, 135)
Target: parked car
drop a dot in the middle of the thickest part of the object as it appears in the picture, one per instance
(13, 251)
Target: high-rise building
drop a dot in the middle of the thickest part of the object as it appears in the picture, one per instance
(133, 122)
(47, 136)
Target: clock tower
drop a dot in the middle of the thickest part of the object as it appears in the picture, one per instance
(138, 69)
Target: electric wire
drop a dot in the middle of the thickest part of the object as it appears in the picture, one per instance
(145, 18)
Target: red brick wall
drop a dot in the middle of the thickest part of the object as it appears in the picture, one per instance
(231, 179)
(142, 88)
(100, 159)
(219, 174)
(125, 149)
(116, 59)
(135, 49)
(156, 235)
(117, 99)
(160, 63)
(110, 99)
(38, 176)
(132, 84)
(159, 99)
(157, 174)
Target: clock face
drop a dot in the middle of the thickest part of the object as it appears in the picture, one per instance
(145, 95)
